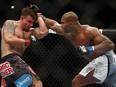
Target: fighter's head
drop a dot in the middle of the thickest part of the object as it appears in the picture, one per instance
(68, 21)
(29, 11)
(28, 16)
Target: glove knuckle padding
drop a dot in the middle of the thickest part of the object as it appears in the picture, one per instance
(35, 8)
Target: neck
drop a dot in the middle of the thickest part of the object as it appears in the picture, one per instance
(78, 29)
(19, 24)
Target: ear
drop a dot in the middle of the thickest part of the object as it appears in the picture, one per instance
(21, 17)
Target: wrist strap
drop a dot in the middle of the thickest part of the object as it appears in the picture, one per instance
(27, 42)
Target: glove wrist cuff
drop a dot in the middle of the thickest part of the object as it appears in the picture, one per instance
(27, 42)
(91, 49)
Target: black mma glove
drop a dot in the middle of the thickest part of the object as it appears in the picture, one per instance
(36, 10)
(32, 40)
(86, 50)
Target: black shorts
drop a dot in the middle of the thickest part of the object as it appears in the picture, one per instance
(15, 71)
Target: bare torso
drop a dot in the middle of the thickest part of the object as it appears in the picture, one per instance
(7, 48)
(84, 38)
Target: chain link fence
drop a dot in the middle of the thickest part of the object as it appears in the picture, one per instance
(55, 60)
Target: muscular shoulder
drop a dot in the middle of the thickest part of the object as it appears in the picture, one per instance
(8, 26)
(91, 32)
(9, 23)
(90, 29)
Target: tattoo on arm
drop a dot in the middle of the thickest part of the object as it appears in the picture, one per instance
(9, 28)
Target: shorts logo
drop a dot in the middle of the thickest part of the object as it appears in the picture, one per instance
(6, 69)
(23, 81)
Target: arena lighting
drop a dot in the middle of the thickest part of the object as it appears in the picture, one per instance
(12, 6)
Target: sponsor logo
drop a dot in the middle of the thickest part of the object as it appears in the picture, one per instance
(23, 81)
(6, 69)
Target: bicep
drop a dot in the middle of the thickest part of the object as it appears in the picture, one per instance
(102, 41)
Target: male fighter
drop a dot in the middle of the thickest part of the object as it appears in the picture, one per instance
(91, 44)
(16, 36)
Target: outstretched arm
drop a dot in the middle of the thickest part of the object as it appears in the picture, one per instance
(51, 24)
(54, 25)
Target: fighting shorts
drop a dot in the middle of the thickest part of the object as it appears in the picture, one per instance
(103, 67)
(15, 71)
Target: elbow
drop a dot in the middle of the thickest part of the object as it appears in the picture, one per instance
(42, 34)
(111, 45)
(45, 31)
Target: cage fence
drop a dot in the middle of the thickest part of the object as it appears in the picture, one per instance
(55, 61)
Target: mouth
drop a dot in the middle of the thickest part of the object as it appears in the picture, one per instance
(26, 29)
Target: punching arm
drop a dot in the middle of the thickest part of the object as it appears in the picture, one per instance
(50, 23)
(54, 25)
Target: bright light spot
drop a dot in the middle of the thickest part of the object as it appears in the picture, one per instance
(12, 7)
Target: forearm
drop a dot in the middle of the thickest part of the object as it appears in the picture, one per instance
(49, 22)
(54, 25)
(42, 26)
(42, 30)
(96, 50)
(104, 47)
(14, 41)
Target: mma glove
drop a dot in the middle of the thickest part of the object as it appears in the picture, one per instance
(32, 40)
(87, 49)
(36, 10)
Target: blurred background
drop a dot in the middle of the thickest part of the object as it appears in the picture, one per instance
(54, 58)
(100, 13)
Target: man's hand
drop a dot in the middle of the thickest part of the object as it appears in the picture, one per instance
(86, 50)
(35, 8)
(32, 40)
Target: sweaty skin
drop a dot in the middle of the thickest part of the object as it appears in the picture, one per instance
(12, 32)
(14, 36)
(85, 35)
(80, 35)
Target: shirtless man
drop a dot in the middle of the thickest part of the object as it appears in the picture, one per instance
(91, 44)
(16, 36)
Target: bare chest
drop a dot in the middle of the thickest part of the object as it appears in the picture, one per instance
(22, 34)
(80, 40)
(19, 33)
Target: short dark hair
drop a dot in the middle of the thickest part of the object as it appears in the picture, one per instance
(70, 16)
(29, 11)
